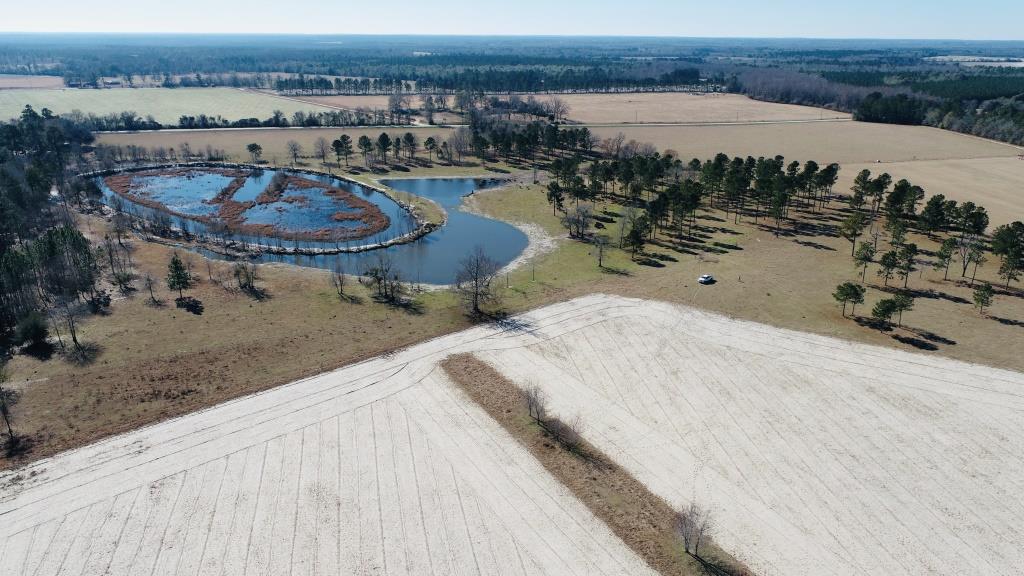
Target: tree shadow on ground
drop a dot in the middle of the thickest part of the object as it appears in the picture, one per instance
(41, 351)
(190, 304)
(1008, 321)
(84, 354)
(408, 305)
(649, 261)
(930, 294)
(614, 271)
(814, 245)
(16, 446)
(872, 323)
(508, 323)
(931, 336)
(915, 342)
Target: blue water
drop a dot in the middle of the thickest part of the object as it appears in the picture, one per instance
(433, 259)
(188, 195)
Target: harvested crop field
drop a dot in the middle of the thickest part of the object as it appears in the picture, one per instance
(351, 102)
(20, 81)
(166, 105)
(844, 142)
(995, 183)
(273, 140)
(646, 108)
(817, 456)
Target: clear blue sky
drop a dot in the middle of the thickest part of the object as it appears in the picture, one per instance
(981, 19)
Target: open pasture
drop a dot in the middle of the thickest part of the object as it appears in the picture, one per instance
(844, 142)
(380, 467)
(647, 108)
(22, 81)
(166, 105)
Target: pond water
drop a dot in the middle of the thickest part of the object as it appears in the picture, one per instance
(433, 259)
(189, 193)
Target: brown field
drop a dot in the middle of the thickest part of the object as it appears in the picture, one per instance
(14, 81)
(844, 142)
(995, 183)
(350, 102)
(273, 140)
(647, 108)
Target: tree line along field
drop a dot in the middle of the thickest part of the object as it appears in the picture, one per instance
(673, 107)
(165, 105)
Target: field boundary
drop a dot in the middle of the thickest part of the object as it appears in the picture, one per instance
(644, 521)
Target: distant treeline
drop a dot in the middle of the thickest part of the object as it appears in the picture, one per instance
(130, 121)
(952, 104)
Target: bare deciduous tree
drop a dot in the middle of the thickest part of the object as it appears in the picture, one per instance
(536, 403)
(694, 525)
(338, 278)
(473, 281)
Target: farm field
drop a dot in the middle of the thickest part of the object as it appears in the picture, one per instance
(816, 455)
(646, 108)
(20, 81)
(273, 140)
(383, 466)
(373, 102)
(995, 183)
(844, 142)
(166, 105)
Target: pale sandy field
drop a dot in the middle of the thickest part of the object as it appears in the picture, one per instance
(19, 81)
(816, 456)
(166, 105)
(845, 142)
(380, 467)
(995, 183)
(352, 102)
(677, 107)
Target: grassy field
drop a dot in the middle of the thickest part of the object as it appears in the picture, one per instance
(20, 81)
(161, 362)
(649, 108)
(166, 105)
(844, 142)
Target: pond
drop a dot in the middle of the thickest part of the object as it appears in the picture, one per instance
(261, 206)
(432, 259)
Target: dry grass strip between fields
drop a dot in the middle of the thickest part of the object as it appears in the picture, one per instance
(645, 522)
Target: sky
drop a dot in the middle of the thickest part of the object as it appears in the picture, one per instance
(912, 19)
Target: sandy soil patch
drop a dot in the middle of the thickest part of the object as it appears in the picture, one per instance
(19, 81)
(995, 183)
(678, 107)
(823, 142)
(381, 467)
(818, 456)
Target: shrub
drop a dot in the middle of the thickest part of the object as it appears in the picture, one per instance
(31, 329)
